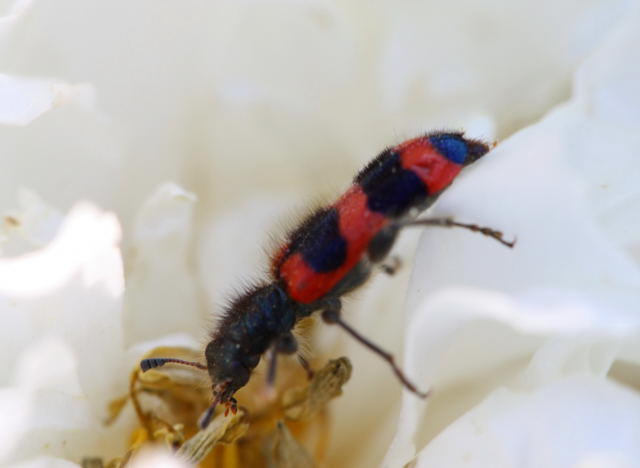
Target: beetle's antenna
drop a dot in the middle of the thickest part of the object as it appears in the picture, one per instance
(152, 363)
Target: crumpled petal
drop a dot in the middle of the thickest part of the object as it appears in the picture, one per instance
(161, 293)
(64, 306)
(465, 342)
(33, 224)
(22, 100)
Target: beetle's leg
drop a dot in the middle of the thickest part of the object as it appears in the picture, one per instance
(271, 371)
(332, 316)
(451, 223)
(381, 243)
(305, 365)
(285, 344)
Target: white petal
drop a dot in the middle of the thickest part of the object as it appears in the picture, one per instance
(33, 224)
(566, 295)
(157, 458)
(48, 364)
(574, 422)
(439, 60)
(462, 343)
(161, 289)
(24, 99)
(600, 131)
(86, 235)
(234, 246)
(62, 310)
(12, 17)
(66, 155)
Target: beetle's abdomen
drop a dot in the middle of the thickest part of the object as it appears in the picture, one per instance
(333, 240)
(334, 244)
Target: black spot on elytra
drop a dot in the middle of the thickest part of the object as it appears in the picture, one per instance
(385, 165)
(322, 246)
(394, 196)
(390, 189)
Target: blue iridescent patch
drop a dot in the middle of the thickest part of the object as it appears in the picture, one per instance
(451, 146)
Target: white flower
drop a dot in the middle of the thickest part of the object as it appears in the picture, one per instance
(531, 353)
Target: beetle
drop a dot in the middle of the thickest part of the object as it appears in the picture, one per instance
(332, 252)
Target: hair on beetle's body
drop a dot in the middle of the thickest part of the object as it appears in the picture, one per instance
(332, 252)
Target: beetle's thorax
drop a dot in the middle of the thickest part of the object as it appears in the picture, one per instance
(252, 324)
